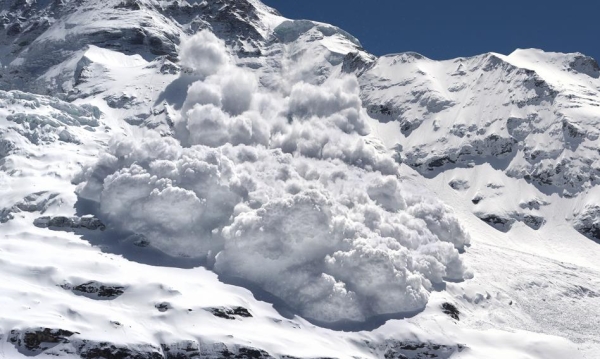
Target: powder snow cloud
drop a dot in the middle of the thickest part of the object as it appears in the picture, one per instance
(285, 190)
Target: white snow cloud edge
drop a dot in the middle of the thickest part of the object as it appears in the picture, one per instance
(285, 190)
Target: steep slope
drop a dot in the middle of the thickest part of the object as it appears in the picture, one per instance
(532, 115)
(511, 141)
(539, 108)
(44, 40)
(85, 291)
(70, 49)
(220, 134)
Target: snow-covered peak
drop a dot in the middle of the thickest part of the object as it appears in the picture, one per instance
(38, 37)
(549, 62)
(536, 111)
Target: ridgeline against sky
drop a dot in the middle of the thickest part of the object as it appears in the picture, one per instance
(449, 29)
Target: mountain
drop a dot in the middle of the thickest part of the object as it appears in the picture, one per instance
(185, 179)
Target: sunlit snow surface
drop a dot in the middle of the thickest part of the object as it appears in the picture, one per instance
(258, 159)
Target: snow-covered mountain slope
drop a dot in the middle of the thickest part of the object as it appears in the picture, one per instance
(78, 291)
(211, 179)
(531, 115)
(43, 41)
(537, 111)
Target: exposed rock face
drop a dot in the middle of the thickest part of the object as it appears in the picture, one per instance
(534, 222)
(587, 222)
(6, 146)
(90, 223)
(358, 62)
(414, 350)
(93, 350)
(38, 340)
(504, 222)
(35, 202)
(459, 185)
(26, 23)
(58, 342)
(182, 350)
(533, 204)
(585, 65)
(96, 290)
(451, 310)
(501, 223)
(185, 350)
(230, 313)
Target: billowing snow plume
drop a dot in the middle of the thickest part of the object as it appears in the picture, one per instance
(283, 190)
(205, 54)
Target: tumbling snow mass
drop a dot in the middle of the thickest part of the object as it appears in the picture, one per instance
(282, 190)
(185, 179)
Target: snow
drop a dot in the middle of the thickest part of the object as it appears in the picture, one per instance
(290, 215)
(253, 166)
(113, 59)
(133, 319)
(538, 117)
(204, 53)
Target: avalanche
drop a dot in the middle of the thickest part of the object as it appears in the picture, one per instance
(209, 179)
(299, 215)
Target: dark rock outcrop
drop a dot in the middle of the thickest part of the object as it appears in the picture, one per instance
(505, 222)
(501, 223)
(35, 202)
(230, 313)
(587, 222)
(96, 290)
(451, 310)
(394, 349)
(192, 349)
(459, 185)
(90, 223)
(534, 222)
(102, 350)
(357, 62)
(39, 339)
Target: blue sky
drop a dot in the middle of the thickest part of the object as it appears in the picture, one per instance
(444, 29)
